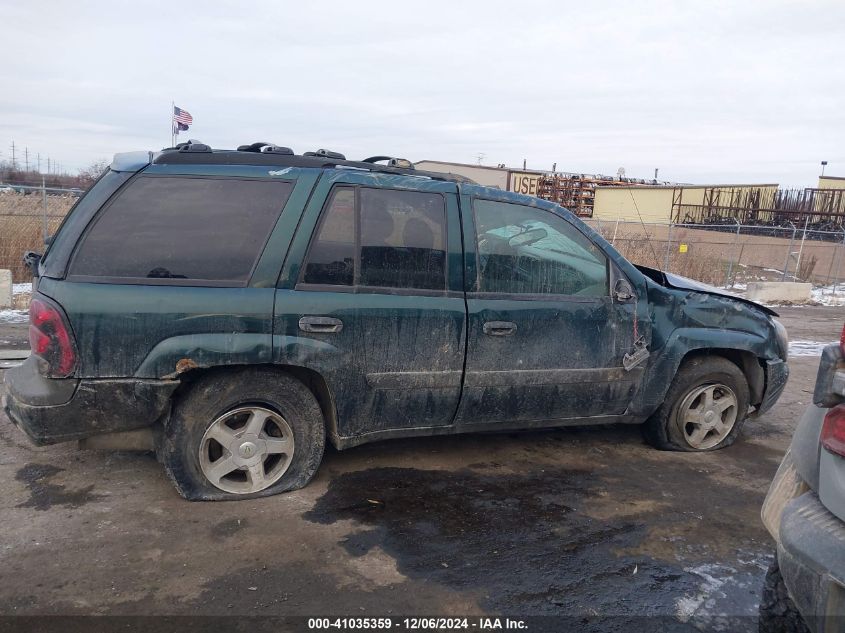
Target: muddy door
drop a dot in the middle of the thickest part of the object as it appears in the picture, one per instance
(372, 307)
(545, 339)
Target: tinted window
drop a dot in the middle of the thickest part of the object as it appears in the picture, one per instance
(524, 250)
(183, 228)
(403, 239)
(331, 259)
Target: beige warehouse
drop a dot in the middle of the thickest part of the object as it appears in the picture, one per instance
(656, 203)
(831, 182)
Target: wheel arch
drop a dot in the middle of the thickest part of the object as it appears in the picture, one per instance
(312, 379)
(746, 350)
(746, 361)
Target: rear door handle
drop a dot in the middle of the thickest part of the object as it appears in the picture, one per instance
(499, 328)
(320, 324)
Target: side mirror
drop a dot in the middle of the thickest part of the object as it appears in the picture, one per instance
(32, 259)
(528, 237)
(623, 291)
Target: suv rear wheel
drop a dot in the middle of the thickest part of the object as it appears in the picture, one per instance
(704, 408)
(244, 434)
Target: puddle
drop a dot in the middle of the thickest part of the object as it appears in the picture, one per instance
(520, 540)
(43, 495)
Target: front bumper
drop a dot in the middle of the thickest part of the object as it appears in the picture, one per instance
(777, 373)
(51, 411)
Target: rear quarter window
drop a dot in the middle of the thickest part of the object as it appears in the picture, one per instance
(181, 228)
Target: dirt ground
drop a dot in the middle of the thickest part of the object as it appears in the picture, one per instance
(584, 522)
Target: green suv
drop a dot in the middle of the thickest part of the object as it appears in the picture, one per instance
(232, 309)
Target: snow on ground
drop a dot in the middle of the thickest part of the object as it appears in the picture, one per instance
(808, 348)
(14, 316)
(18, 289)
(830, 295)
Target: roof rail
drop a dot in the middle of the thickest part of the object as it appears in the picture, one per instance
(262, 153)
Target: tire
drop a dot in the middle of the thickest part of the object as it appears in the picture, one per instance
(777, 611)
(292, 419)
(667, 429)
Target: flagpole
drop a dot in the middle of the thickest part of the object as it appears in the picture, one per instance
(172, 127)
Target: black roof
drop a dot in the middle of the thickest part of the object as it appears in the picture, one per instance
(198, 154)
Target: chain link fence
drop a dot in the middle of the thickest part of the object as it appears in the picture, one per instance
(28, 215)
(732, 256)
(723, 255)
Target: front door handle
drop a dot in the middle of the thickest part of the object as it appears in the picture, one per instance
(320, 324)
(499, 328)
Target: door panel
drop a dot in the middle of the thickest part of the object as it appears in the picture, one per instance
(545, 339)
(560, 362)
(397, 361)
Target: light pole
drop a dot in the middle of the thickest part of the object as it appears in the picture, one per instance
(824, 164)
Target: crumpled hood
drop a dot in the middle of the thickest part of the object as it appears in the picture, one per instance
(670, 280)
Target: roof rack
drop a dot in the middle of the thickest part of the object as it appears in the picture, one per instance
(403, 163)
(262, 153)
(266, 148)
(326, 153)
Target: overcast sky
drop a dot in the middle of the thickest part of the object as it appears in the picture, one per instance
(710, 92)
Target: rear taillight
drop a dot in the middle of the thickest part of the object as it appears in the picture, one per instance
(833, 430)
(51, 340)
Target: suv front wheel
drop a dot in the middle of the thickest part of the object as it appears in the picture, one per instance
(704, 408)
(243, 434)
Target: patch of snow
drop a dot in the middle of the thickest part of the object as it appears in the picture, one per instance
(719, 603)
(832, 295)
(14, 316)
(687, 606)
(18, 289)
(808, 348)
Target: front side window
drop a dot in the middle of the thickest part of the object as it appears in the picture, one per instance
(400, 237)
(526, 250)
(208, 229)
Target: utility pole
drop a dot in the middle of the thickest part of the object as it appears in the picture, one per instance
(48, 166)
(39, 162)
(14, 162)
(26, 158)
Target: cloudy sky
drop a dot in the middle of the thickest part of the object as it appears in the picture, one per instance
(708, 92)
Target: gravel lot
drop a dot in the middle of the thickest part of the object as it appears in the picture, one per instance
(576, 522)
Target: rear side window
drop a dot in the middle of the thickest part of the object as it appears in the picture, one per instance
(400, 238)
(403, 239)
(332, 257)
(207, 229)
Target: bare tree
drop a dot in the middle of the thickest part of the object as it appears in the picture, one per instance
(88, 175)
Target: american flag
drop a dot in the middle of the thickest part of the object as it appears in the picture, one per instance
(181, 119)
